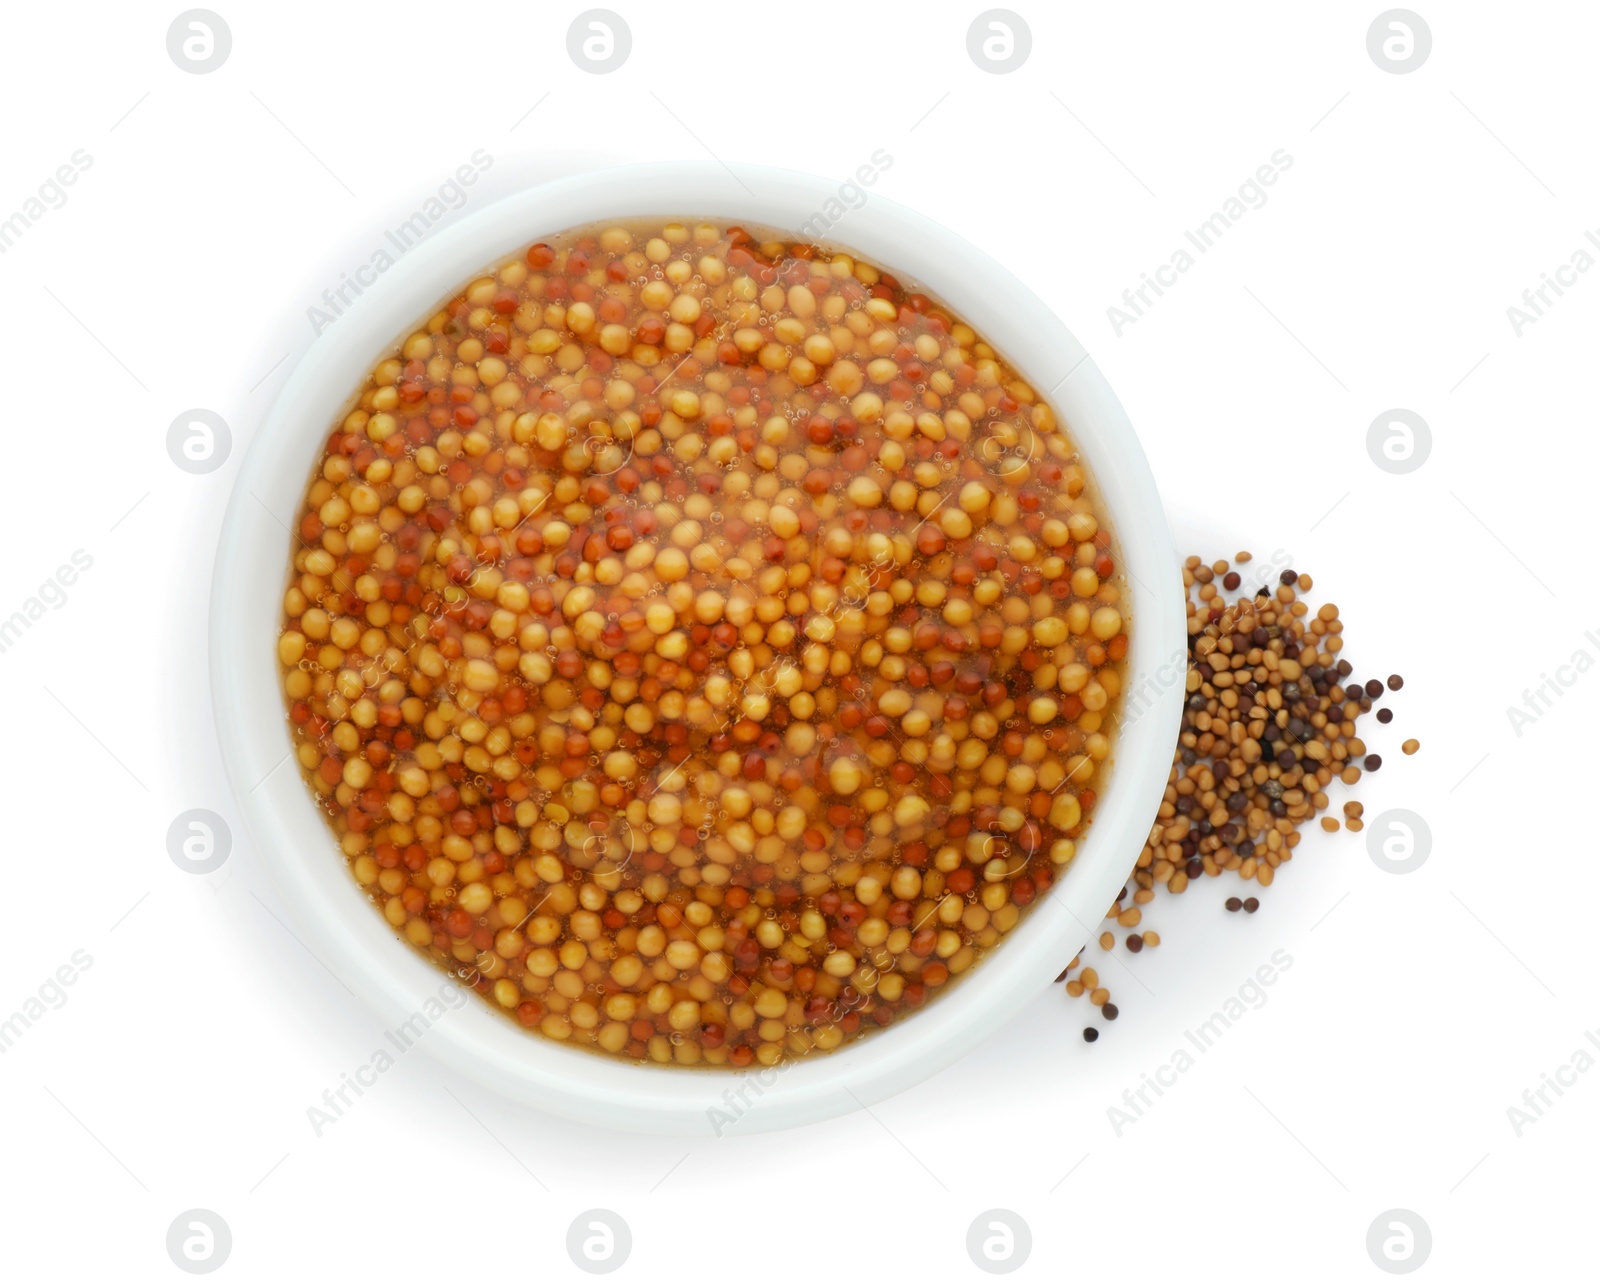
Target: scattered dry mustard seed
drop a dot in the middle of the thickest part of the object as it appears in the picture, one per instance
(1269, 724)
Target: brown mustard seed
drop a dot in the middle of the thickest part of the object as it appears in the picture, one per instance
(1269, 723)
(1396, 682)
(1090, 1035)
(1109, 1011)
(1372, 762)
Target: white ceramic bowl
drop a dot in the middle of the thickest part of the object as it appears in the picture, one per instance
(292, 837)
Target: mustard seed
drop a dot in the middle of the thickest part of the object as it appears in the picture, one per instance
(1410, 746)
(1269, 723)
(637, 688)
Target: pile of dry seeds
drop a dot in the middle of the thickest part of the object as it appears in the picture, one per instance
(1270, 722)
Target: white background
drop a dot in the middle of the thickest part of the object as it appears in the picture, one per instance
(1418, 1008)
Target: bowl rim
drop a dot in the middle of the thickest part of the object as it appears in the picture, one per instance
(289, 831)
